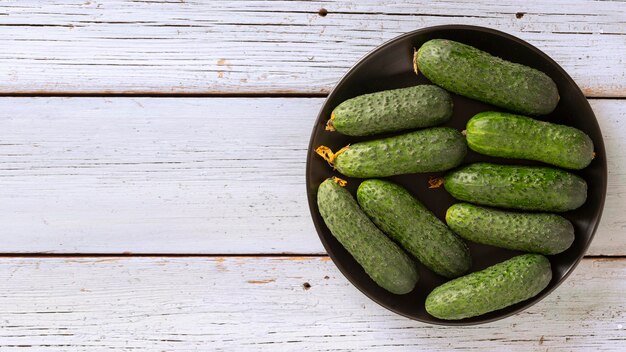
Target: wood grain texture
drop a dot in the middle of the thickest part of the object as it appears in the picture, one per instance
(90, 46)
(284, 304)
(187, 175)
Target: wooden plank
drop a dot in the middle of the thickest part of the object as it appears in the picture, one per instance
(184, 304)
(155, 175)
(67, 46)
(187, 175)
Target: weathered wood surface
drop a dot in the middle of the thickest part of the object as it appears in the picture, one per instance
(162, 47)
(226, 175)
(187, 175)
(274, 304)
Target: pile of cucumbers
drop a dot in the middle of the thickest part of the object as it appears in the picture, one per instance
(509, 206)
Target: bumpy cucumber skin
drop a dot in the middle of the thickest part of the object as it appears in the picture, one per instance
(429, 150)
(405, 219)
(514, 136)
(494, 288)
(541, 233)
(473, 73)
(381, 258)
(393, 110)
(517, 187)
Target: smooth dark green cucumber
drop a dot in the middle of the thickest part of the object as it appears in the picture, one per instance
(379, 256)
(429, 150)
(517, 187)
(520, 137)
(473, 73)
(405, 219)
(541, 233)
(494, 288)
(392, 110)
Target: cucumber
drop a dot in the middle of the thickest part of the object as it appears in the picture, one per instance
(473, 73)
(514, 136)
(496, 287)
(429, 150)
(392, 110)
(379, 256)
(395, 211)
(517, 187)
(541, 233)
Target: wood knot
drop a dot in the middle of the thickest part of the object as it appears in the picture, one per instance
(519, 15)
(322, 12)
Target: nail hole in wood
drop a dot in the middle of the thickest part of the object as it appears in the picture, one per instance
(306, 285)
(322, 12)
(519, 15)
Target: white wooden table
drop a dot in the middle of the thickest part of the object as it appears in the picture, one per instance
(152, 159)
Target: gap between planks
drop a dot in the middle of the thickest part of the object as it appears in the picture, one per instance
(286, 94)
(201, 255)
(278, 94)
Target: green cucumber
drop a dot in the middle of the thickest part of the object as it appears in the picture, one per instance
(520, 137)
(379, 256)
(494, 288)
(517, 187)
(541, 233)
(429, 150)
(473, 73)
(395, 211)
(392, 110)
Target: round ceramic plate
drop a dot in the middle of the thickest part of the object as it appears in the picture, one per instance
(390, 66)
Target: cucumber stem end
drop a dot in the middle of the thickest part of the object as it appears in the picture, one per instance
(435, 182)
(326, 153)
(415, 68)
(329, 124)
(339, 181)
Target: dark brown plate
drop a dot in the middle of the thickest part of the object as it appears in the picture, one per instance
(390, 66)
